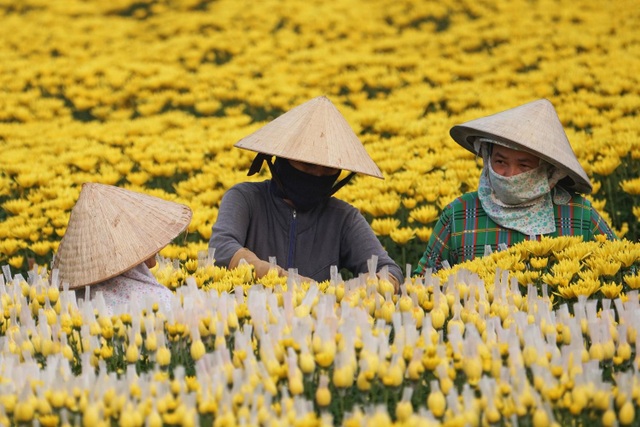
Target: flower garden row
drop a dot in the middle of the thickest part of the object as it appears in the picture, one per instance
(451, 349)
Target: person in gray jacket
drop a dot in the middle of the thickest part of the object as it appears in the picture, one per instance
(293, 216)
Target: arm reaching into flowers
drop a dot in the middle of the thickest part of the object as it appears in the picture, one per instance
(293, 216)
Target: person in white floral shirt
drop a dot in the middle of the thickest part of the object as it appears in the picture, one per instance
(111, 241)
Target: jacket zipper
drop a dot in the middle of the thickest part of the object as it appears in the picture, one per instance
(292, 239)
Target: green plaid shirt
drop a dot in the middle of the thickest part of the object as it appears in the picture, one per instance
(464, 229)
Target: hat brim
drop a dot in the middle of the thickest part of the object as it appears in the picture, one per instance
(314, 132)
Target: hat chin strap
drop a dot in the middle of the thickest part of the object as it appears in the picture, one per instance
(256, 165)
(342, 183)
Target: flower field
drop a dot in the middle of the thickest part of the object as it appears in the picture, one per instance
(151, 95)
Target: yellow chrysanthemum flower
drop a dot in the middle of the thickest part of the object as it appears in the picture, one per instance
(384, 226)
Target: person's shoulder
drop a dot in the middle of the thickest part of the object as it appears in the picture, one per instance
(250, 187)
(463, 199)
(466, 197)
(339, 205)
(250, 190)
(334, 202)
(581, 201)
(576, 199)
(251, 193)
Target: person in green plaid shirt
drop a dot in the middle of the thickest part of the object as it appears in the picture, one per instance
(530, 186)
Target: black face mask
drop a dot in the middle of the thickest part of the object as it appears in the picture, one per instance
(304, 190)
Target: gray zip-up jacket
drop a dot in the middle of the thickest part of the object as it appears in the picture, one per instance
(334, 233)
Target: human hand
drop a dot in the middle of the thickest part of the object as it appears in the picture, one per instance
(260, 266)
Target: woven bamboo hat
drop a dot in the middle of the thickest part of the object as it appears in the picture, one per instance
(533, 127)
(314, 132)
(111, 230)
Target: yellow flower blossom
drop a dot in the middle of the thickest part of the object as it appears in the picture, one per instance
(631, 186)
(402, 235)
(633, 281)
(611, 290)
(541, 248)
(388, 205)
(384, 226)
(11, 246)
(606, 166)
(539, 262)
(16, 262)
(425, 214)
(409, 202)
(41, 248)
(16, 206)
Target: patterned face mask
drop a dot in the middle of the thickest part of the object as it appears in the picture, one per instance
(522, 202)
(522, 189)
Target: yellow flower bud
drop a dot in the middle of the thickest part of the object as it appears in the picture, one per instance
(53, 293)
(343, 376)
(627, 414)
(385, 286)
(132, 354)
(386, 311)
(24, 411)
(493, 416)
(437, 318)
(609, 418)
(473, 369)
(415, 369)
(394, 375)
(296, 386)
(307, 363)
(363, 382)
(8, 401)
(302, 310)
(91, 416)
(27, 347)
(404, 410)
(47, 347)
(106, 352)
(151, 341)
(624, 351)
(405, 303)
(67, 352)
(325, 356)
(436, 403)
(197, 349)
(154, 419)
(540, 418)
(52, 316)
(163, 356)
(323, 396)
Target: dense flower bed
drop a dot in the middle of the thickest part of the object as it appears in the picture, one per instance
(449, 350)
(151, 95)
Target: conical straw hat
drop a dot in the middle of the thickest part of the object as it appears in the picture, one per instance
(313, 132)
(533, 127)
(111, 230)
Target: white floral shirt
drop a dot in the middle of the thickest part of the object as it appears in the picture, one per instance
(137, 284)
